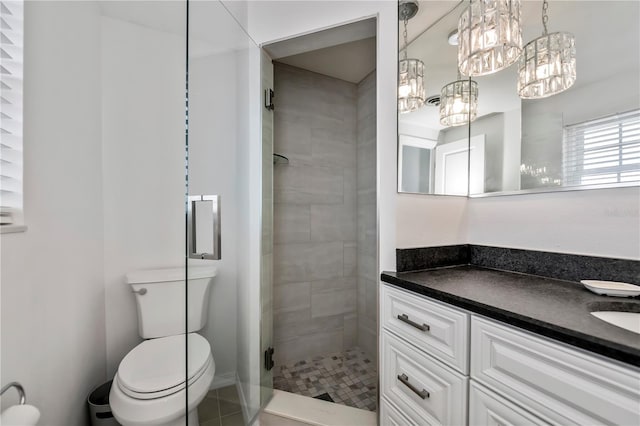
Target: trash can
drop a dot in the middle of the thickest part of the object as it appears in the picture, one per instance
(99, 408)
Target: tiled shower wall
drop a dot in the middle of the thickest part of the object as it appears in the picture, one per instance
(366, 210)
(315, 261)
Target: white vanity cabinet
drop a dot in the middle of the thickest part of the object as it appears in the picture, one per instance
(424, 360)
(558, 384)
(442, 365)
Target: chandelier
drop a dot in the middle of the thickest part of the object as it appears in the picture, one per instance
(411, 90)
(458, 102)
(548, 64)
(490, 37)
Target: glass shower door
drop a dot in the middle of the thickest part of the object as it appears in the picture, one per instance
(224, 160)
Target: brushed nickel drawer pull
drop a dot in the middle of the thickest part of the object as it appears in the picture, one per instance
(405, 318)
(405, 380)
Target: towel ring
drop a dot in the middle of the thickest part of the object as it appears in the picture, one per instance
(19, 388)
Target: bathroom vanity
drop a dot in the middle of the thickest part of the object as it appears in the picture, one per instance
(472, 345)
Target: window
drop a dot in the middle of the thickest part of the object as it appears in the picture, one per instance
(11, 54)
(605, 150)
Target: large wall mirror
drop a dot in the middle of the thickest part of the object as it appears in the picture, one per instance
(587, 136)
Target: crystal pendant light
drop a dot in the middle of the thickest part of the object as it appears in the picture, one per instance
(458, 102)
(548, 64)
(411, 90)
(490, 37)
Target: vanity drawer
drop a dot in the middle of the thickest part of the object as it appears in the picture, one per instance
(390, 416)
(425, 391)
(487, 408)
(561, 385)
(441, 331)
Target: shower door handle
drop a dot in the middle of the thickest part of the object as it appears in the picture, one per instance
(203, 223)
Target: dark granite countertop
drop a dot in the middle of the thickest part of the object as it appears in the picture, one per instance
(550, 307)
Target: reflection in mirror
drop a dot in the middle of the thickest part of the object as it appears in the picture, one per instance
(587, 136)
(433, 158)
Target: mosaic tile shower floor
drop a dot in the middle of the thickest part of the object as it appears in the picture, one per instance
(349, 377)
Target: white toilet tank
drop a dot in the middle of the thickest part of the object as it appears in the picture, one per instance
(160, 298)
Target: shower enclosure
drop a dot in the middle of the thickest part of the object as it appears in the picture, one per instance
(181, 157)
(149, 145)
(324, 214)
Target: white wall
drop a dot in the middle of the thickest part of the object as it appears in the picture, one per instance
(53, 319)
(603, 222)
(213, 132)
(430, 220)
(143, 166)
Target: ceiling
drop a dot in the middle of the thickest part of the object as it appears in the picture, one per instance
(607, 43)
(351, 61)
(346, 52)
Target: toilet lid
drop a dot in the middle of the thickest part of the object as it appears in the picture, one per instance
(159, 364)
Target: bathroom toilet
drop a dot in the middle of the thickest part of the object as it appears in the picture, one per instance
(152, 381)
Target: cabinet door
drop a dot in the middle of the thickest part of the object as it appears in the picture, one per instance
(486, 408)
(560, 384)
(423, 389)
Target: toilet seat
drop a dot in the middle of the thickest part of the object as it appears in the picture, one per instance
(156, 368)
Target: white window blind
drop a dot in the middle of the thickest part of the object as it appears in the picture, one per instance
(605, 150)
(11, 67)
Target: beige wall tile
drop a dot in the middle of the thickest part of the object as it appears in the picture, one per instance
(306, 185)
(302, 347)
(292, 135)
(332, 223)
(333, 302)
(325, 260)
(293, 296)
(285, 318)
(328, 186)
(291, 223)
(350, 336)
(343, 283)
(328, 150)
(308, 326)
(366, 212)
(290, 262)
(350, 259)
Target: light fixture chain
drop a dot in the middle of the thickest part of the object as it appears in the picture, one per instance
(404, 35)
(545, 17)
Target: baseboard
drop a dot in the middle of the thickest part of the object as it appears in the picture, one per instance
(223, 380)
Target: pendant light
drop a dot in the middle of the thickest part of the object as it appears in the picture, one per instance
(411, 90)
(548, 64)
(490, 37)
(458, 102)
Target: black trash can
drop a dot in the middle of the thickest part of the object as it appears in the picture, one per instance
(99, 408)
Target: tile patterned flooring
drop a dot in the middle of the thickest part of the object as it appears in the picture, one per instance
(349, 377)
(221, 407)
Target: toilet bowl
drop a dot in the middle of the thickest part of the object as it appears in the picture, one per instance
(155, 378)
(150, 387)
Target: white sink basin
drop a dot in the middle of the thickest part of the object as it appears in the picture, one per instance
(627, 320)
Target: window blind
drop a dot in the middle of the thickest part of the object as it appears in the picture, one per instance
(11, 69)
(605, 150)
